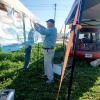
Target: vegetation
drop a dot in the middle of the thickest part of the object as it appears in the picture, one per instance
(29, 86)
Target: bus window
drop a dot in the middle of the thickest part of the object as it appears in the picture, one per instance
(89, 41)
(98, 41)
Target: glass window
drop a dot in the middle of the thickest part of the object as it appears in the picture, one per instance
(89, 41)
(98, 41)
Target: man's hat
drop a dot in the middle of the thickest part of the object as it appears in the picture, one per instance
(51, 20)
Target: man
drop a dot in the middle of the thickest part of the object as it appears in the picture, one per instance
(28, 46)
(49, 43)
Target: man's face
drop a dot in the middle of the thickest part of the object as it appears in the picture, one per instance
(50, 25)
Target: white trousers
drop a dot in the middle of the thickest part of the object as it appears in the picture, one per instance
(48, 63)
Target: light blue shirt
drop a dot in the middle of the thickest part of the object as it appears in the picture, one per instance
(50, 35)
(30, 40)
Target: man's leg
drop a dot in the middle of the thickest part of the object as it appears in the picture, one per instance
(27, 57)
(49, 63)
(45, 62)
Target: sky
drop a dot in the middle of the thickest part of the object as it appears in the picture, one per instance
(44, 10)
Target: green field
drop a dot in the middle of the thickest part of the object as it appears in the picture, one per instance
(29, 86)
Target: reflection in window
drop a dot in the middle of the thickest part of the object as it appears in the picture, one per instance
(89, 41)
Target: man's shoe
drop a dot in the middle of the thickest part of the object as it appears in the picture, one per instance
(49, 82)
(43, 77)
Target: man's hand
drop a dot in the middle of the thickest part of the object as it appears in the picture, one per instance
(37, 26)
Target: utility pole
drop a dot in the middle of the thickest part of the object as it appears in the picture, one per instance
(55, 6)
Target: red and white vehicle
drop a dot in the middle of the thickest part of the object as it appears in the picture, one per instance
(89, 43)
(89, 36)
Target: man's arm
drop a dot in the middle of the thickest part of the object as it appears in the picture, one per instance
(41, 29)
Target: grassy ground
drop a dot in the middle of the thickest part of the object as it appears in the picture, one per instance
(29, 86)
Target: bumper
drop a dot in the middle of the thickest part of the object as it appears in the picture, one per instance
(86, 54)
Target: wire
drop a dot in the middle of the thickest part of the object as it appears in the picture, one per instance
(45, 5)
(41, 5)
